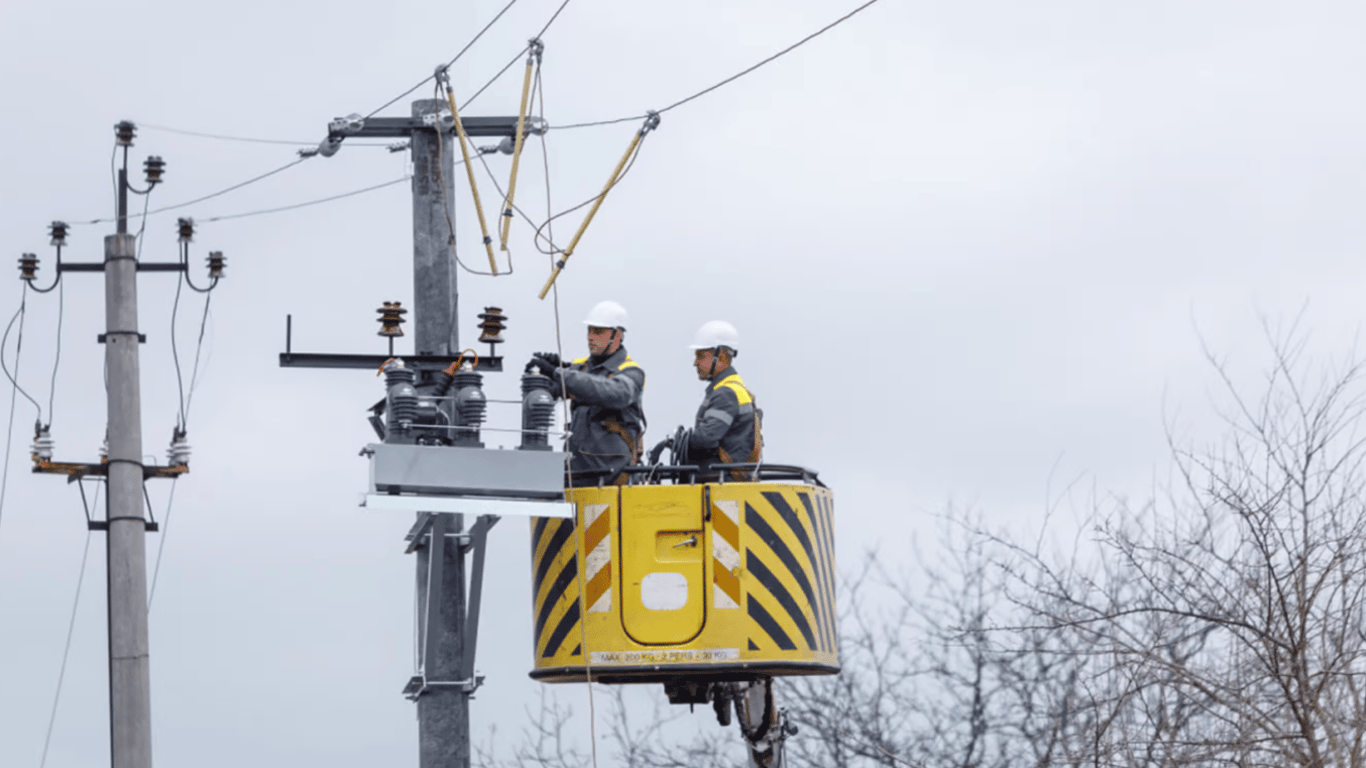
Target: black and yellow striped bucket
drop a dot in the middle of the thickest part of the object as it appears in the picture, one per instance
(718, 581)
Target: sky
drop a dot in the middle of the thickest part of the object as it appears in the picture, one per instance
(979, 253)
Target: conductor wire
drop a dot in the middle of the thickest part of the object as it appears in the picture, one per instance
(564, 400)
(651, 122)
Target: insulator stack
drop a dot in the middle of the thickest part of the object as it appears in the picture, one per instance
(492, 321)
(179, 452)
(470, 406)
(391, 319)
(216, 263)
(43, 444)
(185, 228)
(58, 231)
(154, 167)
(401, 410)
(124, 132)
(538, 412)
(28, 266)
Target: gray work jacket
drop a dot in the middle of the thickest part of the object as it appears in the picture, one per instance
(607, 421)
(727, 427)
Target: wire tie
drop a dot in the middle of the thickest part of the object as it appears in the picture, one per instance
(560, 264)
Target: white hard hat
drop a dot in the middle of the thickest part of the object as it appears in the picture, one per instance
(717, 333)
(608, 314)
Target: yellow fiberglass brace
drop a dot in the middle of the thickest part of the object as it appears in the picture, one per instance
(469, 169)
(651, 122)
(534, 50)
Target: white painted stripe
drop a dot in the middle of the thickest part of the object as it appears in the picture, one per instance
(724, 552)
(600, 556)
(720, 599)
(731, 508)
(591, 512)
(604, 603)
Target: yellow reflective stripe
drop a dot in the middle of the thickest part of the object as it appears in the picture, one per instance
(736, 385)
(579, 360)
(628, 364)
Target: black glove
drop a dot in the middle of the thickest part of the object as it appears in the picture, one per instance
(551, 359)
(658, 450)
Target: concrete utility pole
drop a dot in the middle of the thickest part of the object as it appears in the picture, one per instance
(446, 625)
(443, 712)
(126, 521)
(130, 704)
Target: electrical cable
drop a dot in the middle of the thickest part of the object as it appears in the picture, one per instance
(733, 77)
(494, 79)
(294, 206)
(9, 431)
(448, 65)
(553, 16)
(18, 347)
(175, 354)
(161, 545)
(564, 400)
(247, 140)
(447, 198)
(66, 651)
(199, 347)
(57, 358)
(211, 196)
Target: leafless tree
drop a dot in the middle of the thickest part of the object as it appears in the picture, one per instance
(1220, 623)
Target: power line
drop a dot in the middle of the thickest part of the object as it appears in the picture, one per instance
(211, 196)
(553, 16)
(733, 77)
(18, 347)
(13, 399)
(246, 139)
(494, 79)
(161, 545)
(57, 359)
(450, 63)
(66, 651)
(222, 137)
(319, 201)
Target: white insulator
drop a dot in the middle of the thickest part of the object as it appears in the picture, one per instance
(43, 445)
(179, 452)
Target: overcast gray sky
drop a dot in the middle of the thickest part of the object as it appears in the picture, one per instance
(972, 249)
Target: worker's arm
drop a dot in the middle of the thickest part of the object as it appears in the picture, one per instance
(721, 410)
(617, 391)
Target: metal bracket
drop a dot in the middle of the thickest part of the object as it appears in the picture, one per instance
(103, 525)
(75, 471)
(432, 527)
(418, 685)
(142, 337)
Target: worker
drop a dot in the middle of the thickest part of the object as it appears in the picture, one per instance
(728, 425)
(607, 422)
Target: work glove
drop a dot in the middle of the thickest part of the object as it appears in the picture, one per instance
(658, 450)
(551, 359)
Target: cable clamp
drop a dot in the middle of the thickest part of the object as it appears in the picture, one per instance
(442, 74)
(651, 122)
(534, 50)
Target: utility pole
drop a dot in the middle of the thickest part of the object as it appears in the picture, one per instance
(447, 626)
(130, 701)
(126, 521)
(443, 712)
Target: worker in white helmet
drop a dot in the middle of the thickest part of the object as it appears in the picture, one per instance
(728, 425)
(607, 422)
